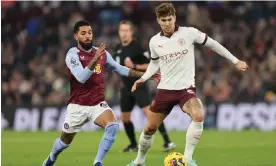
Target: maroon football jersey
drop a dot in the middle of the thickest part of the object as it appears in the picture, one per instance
(91, 92)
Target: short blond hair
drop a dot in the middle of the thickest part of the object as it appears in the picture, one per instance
(164, 10)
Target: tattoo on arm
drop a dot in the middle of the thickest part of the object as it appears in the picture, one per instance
(135, 73)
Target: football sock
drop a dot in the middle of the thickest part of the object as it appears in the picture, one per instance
(58, 147)
(107, 140)
(145, 143)
(192, 137)
(129, 128)
(164, 133)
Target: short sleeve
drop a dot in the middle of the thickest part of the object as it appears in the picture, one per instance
(198, 36)
(72, 60)
(73, 63)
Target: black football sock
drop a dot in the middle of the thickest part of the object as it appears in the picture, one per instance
(129, 128)
(164, 133)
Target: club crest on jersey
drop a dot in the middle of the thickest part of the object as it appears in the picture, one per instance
(98, 69)
(181, 41)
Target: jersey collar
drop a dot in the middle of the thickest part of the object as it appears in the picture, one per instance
(175, 29)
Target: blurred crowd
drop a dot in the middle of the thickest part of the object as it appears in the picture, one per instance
(36, 36)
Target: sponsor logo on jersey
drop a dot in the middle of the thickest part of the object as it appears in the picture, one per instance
(174, 55)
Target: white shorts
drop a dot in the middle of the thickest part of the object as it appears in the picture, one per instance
(77, 115)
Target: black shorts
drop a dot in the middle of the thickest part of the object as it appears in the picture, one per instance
(141, 97)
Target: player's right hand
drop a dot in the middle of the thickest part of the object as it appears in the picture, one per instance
(99, 52)
(156, 77)
(242, 66)
(136, 84)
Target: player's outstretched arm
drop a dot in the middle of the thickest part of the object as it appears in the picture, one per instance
(218, 48)
(75, 66)
(116, 67)
(151, 72)
(123, 70)
(203, 39)
(152, 69)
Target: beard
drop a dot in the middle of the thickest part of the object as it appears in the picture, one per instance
(86, 46)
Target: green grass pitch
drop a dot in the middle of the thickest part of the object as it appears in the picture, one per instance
(247, 148)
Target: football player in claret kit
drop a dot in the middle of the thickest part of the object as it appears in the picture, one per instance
(172, 51)
(85, 65)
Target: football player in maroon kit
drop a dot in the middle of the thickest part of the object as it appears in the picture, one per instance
(86, 64)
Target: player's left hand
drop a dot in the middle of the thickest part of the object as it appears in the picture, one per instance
(128, 63)
(136, 84)
(242, 66)
(99, 52)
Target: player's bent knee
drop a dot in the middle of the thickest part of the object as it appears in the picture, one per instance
(111, 130)
(197, 115)
(67, 138)
(150, 130)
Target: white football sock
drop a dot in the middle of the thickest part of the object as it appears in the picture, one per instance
(192, 137)
(145, 143)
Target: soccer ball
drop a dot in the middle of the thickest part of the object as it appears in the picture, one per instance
(175, 159)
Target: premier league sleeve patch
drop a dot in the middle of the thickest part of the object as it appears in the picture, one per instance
(74, 63)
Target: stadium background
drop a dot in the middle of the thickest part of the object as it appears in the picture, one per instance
(34, 87)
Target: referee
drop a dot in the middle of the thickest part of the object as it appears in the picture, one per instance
(130, 53)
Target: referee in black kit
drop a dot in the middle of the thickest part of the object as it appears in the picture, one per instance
(130, 53)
